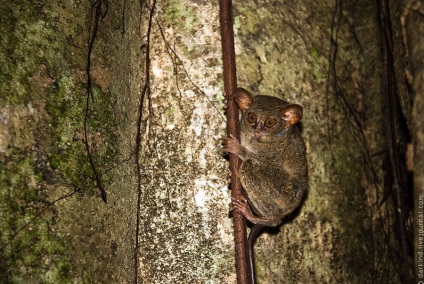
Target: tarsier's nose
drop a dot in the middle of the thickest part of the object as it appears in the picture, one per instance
(259, 126)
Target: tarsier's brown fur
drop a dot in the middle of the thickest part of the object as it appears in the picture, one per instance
(274, 171)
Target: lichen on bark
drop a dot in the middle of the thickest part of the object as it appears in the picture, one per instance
(324, 56)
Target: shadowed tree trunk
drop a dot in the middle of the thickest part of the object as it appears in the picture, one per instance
(123, 99)
(412, 31)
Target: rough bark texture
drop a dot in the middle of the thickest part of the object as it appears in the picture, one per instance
(413, 29)
(166, 216)
(286, 50)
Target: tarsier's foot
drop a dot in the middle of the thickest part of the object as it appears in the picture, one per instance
(242, 205)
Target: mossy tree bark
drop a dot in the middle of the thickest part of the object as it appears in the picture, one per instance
(154, 128)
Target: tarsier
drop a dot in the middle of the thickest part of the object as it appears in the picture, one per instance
(274, 170)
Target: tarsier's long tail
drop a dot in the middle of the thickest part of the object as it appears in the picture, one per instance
(254, 232)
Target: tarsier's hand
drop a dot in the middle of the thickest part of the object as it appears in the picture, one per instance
(232, 145)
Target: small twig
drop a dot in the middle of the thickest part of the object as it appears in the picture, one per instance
(335, 25)
(50, 204)
(98, 12)
(230, 84)
(124, 9)
(38, 215)
(145, 91)
(389, 90)
(354, 121)
(176, 61)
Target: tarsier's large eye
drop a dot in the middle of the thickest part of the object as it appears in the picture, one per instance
(252, 117)
(270, 122)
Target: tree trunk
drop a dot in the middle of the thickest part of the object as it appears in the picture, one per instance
(413, 29)
(139, 84)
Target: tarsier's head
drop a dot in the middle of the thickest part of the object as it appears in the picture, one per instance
(265, 117)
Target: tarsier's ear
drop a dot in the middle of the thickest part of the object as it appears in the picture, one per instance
(291, 114)
(243, 98)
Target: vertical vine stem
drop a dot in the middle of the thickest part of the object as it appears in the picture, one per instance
(399, 186)
(230, 85)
